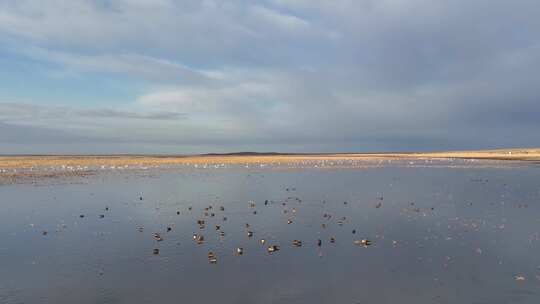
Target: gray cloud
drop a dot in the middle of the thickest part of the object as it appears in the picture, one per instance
(295, 74)
(21, 111)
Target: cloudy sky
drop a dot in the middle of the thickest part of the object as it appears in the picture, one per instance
(194, 76)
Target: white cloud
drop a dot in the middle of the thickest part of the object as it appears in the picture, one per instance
(133, 65)
(280, 20)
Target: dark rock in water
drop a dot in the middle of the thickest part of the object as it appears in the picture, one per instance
(81, 216)
(106, 208)
(44, 232)
(222, 208)
(354, 231)
(101, 216)
(169, 229)
(319, 242)
(156, 251)
(177, 212)
(140, 198)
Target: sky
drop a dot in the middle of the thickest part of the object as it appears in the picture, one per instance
(201, 76)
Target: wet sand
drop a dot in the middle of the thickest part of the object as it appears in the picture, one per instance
(37, 168)
(27, 162)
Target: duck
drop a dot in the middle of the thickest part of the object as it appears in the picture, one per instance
(273, 248)
(198, 238)
(362, 242)
(212, 259)
(297, 243)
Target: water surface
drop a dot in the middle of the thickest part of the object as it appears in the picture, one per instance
(438, 233)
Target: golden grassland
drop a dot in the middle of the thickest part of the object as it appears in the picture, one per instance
(25, 162)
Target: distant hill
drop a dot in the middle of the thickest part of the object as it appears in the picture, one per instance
(246, 153)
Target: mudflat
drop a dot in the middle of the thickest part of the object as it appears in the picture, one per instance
(37, 161)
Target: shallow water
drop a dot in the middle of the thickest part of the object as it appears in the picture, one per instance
(439, 234)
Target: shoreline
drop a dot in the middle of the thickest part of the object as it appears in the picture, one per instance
(45, 161)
